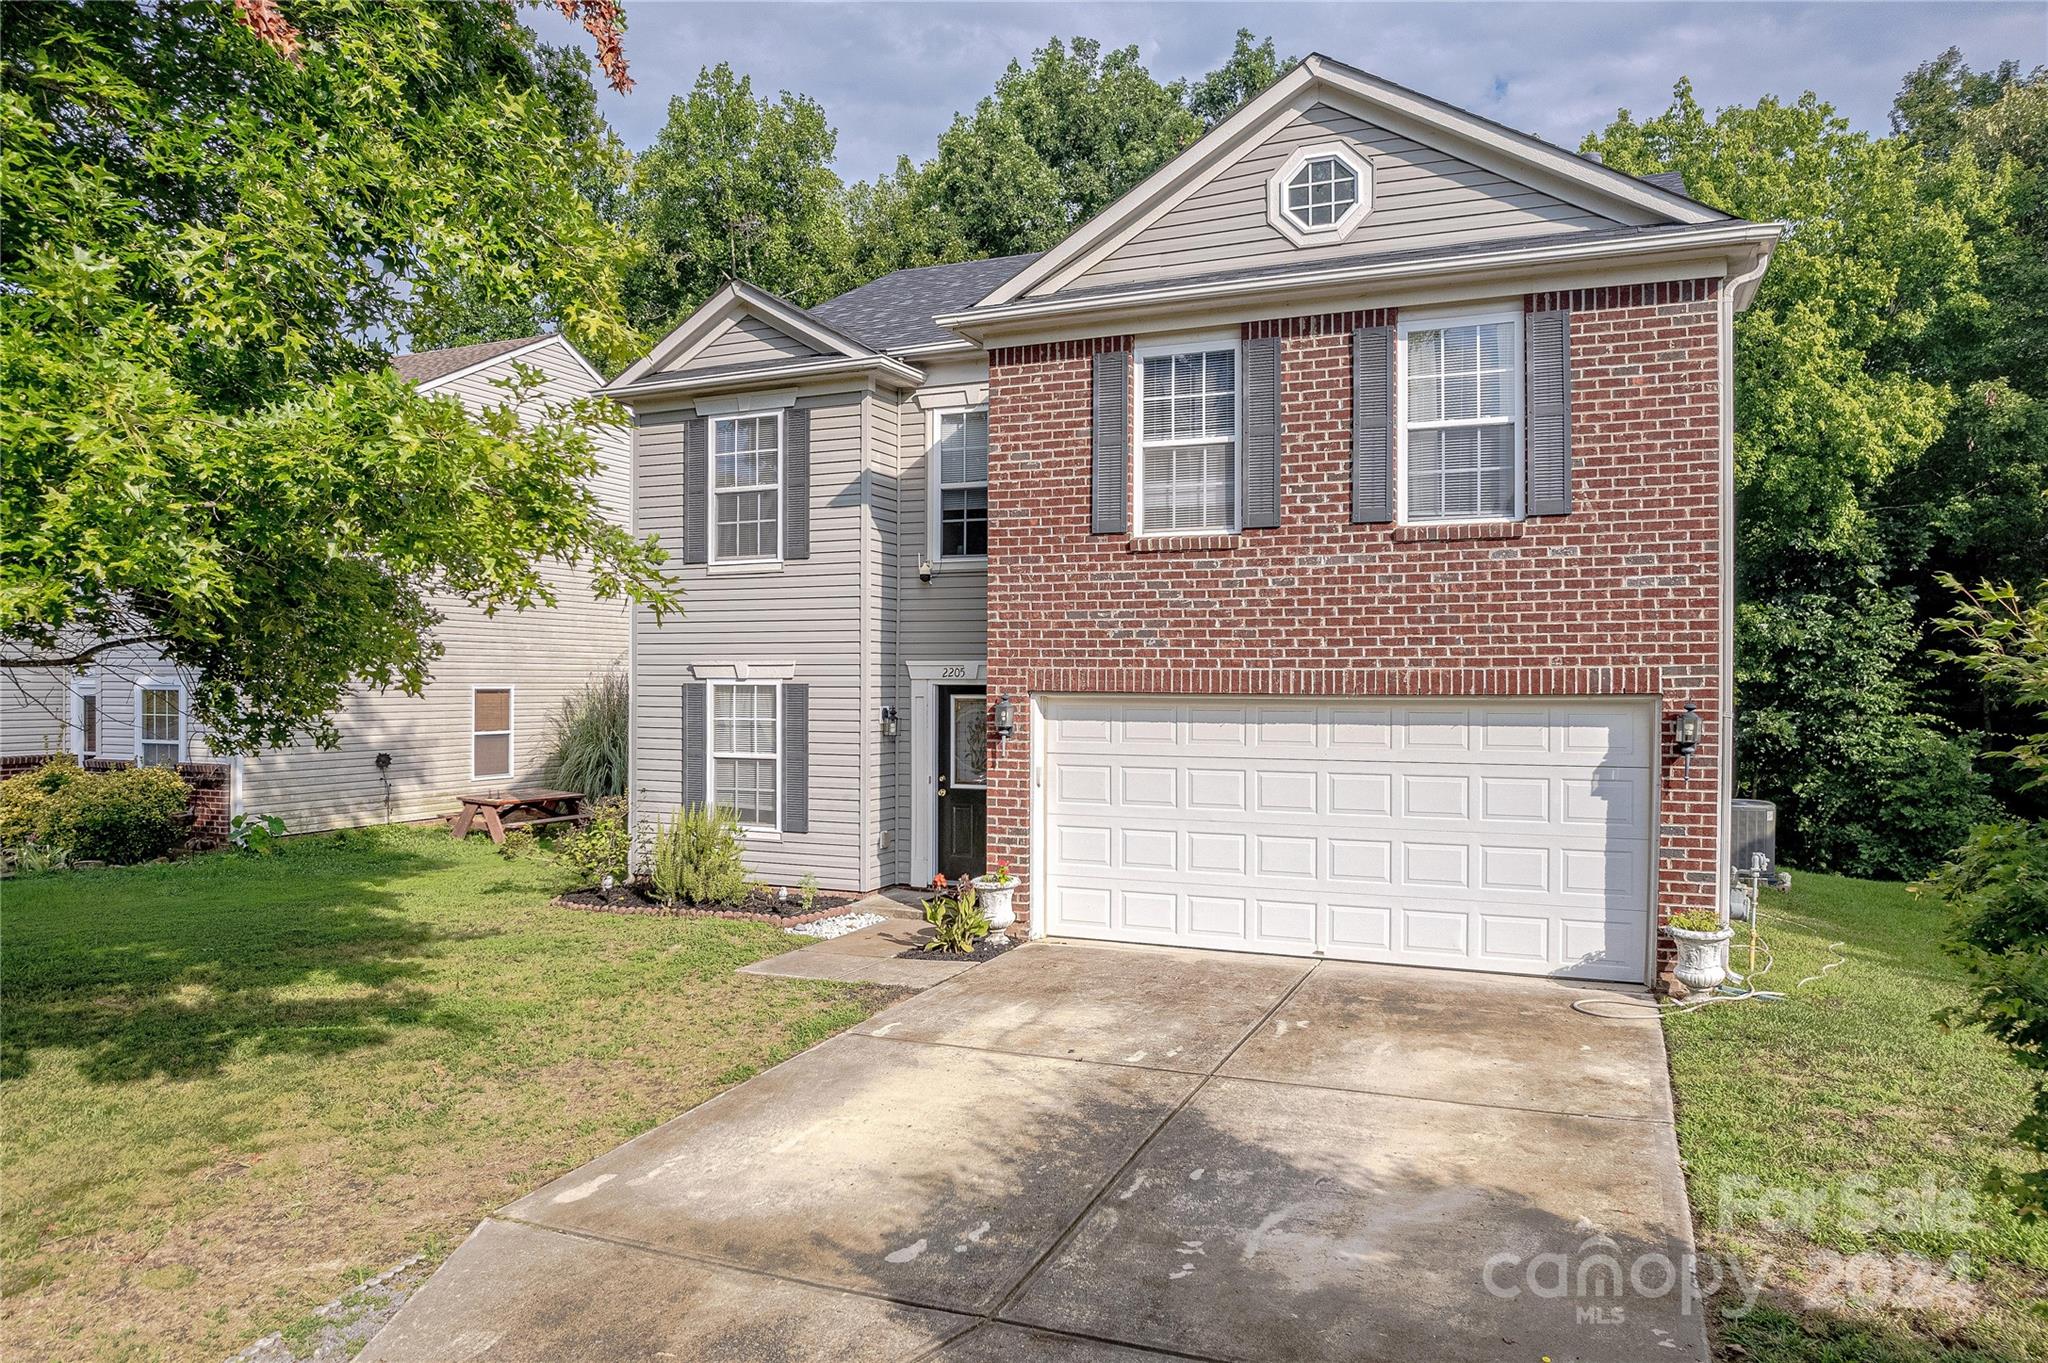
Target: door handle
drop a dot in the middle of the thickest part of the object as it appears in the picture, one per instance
(945, 787)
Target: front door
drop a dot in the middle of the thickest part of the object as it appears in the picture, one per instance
(963, 780)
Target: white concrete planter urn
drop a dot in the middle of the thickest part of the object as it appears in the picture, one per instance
(1699, 965)
(995, 892)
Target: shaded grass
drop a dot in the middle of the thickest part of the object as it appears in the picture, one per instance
(234, 1087)
(1847, 1122)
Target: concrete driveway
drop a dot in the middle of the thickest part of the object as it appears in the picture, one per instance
(1074, 1149)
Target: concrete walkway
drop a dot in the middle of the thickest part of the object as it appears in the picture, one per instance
(871, 955)
(1084, 1154)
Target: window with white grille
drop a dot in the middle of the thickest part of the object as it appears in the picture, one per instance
(746, 752)
(1187, 441)
(746, 487)
(1461, 404)
(160, 727)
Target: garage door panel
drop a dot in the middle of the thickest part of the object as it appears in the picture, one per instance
(1494, 836)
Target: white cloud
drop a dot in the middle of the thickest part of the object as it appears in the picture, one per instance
(891, 76)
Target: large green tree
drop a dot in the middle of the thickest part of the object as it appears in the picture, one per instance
(736, 186)
(1834, 403)
(210, 227)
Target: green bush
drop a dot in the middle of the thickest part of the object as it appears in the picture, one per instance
(601, 847)
(957, 920)
(590, 738)
(697, 858)
(127, 815)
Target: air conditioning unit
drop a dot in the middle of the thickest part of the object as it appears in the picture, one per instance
(1753, 839)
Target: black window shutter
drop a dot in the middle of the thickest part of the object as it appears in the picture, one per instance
(1262, 433)
(796, 757)
(796, 483)
(1372, 425)
(1550, 414)
(696, 737)
(696, 490)
(1109, 514)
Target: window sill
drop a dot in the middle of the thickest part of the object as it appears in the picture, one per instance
(760, 835)
(745, 568)
(977, 564)
(1216, 543)
(1459, 530)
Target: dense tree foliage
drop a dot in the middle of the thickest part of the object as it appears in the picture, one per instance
(1997, 882)
(209, 227)
(1881, 436)
(737, 186)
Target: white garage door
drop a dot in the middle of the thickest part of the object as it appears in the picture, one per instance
(1481, 835)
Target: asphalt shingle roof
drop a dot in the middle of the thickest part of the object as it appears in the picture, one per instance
(896, 310)
(428, 365)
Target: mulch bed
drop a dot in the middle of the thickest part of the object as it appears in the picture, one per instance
(987, 949)
(759, 907)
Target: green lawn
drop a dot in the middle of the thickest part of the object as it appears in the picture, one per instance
(1878, 1125)
(232, 1087)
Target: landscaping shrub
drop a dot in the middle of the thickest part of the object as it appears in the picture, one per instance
(590, 738)
(957, 920)
(600, 848)
(697, 858)
(126, 815)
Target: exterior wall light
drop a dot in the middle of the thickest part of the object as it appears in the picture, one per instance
(1685, 733)
(1005, 718)
(888, 721)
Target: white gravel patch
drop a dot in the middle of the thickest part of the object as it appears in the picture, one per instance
(838, 927)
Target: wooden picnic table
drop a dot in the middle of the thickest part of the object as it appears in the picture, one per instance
(543, 807)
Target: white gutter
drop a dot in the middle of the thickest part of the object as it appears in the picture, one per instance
(1382, 272)
(731, 379)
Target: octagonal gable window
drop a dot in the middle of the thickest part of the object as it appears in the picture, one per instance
(1322, 192)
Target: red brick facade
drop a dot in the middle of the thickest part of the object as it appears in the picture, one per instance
(1622, 597)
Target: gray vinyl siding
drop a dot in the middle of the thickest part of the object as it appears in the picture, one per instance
(35, 710)
(808, 614)
(746, 340)
(1422, 197)
(944, 620)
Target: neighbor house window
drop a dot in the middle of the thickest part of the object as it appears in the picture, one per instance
(746, 484)
(85, 720)
(1187, 441)
(962, 450)
(746, 752)
(1321, 191)
(160, 725)
(490, 732)
(1461, 433)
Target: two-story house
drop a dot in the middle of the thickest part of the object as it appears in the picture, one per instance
(1323, 551)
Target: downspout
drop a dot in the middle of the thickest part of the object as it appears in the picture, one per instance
(1736, 294)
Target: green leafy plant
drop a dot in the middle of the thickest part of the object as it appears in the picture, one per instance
(1996, 884)
(34, 858)
(588, 751)
(807, 892)
(255, 832)
(519, 842)
(958, 923)
(698, 858)
(1001, 875)
(601, 850)
(1695, 920)
(126, 815)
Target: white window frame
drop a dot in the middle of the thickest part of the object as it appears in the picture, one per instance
(1512, 314)
(142, 688)
(80, 691)
(712, 754)
(1347, 222)
(711, 554)
(511, 732)
(937, 487)
(1185, 345)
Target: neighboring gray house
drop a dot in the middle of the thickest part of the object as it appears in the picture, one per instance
(1325, 551)
(481, 723)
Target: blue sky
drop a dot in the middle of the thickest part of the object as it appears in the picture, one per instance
(891, 76)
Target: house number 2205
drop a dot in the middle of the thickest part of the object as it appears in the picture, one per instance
(953, 673)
